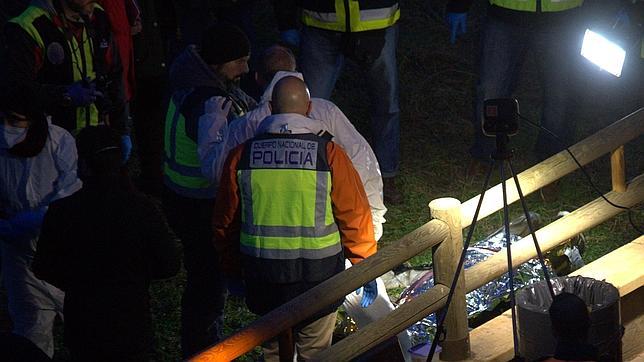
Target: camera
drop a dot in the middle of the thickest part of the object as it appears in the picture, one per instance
(500, 117)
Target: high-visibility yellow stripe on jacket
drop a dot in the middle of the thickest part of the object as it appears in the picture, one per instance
(350, 15)
(531, 5)
(181, 167)
(286, 212)
(82, 58)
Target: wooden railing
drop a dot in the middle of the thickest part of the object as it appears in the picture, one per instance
(445, 232)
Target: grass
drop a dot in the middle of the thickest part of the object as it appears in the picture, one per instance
(437, 82)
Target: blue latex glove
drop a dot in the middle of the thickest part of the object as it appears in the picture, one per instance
(291, 37)
(82, 93)
(370, 293)
(27, 223)
(126, 147)
(457, 25)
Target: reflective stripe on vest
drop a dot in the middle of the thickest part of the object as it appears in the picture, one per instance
(85, 116)
(81, 58)
(531, 5)
(26, 22)
(359, 19)
(181, 168)
(286, 200)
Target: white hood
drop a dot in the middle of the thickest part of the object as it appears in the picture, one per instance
(268, 92)
(290, 123)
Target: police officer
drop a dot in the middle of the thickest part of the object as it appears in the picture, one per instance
(290, 208)
(197, 74)
(367, 33)
(550, 29)
(61, 52)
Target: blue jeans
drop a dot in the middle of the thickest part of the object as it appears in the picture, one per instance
(504, 48)
(322, 62)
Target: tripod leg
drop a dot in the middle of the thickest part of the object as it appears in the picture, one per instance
(531, 228)
(506, 220)
(440, 316)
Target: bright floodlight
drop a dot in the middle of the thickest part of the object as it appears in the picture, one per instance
(602, 52)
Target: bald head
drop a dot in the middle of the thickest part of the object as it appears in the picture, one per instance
(290, 95)
(274, 59)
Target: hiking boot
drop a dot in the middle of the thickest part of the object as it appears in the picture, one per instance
(392, 195)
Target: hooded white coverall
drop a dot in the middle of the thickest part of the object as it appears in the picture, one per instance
(217, 137)
(32, 184)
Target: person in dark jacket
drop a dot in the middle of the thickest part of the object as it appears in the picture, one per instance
(365, 32)
(570, 322)
(197, 75)
(103, 246)
(63, 53)
(153, 49)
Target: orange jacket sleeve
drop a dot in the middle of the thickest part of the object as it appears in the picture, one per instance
(350, 206)
(226, 222)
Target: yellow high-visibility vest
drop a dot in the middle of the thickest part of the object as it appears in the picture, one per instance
(531, 5)
(287, 220)
(350, 15)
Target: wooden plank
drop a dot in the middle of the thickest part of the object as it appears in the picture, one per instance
(492, 341)
(623, 268)
(446, 256)
(632, 311)
(618, 169)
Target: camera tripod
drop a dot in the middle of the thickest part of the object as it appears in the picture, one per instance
(502, 155)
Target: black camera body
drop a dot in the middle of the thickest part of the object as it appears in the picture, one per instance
(500, 117)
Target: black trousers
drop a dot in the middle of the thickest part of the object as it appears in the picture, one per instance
(148, 113)
(202, 304)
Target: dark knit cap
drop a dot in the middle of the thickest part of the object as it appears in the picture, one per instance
(94, 140)
(20, 102)
(222, 42)
(99, 148)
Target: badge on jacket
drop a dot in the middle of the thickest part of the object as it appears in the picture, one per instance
(55, 53)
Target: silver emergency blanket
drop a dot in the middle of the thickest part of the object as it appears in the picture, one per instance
(488, 296)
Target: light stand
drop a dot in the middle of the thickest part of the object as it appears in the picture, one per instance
(500, 128)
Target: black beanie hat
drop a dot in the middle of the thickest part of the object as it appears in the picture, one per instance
(221, 43)
(18, 101)
(99, 151)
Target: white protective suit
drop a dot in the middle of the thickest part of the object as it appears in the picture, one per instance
(31, 184)
(217, 137)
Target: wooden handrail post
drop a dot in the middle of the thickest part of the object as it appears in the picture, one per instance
(286, 345)
(618, 169)
(446, 255)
